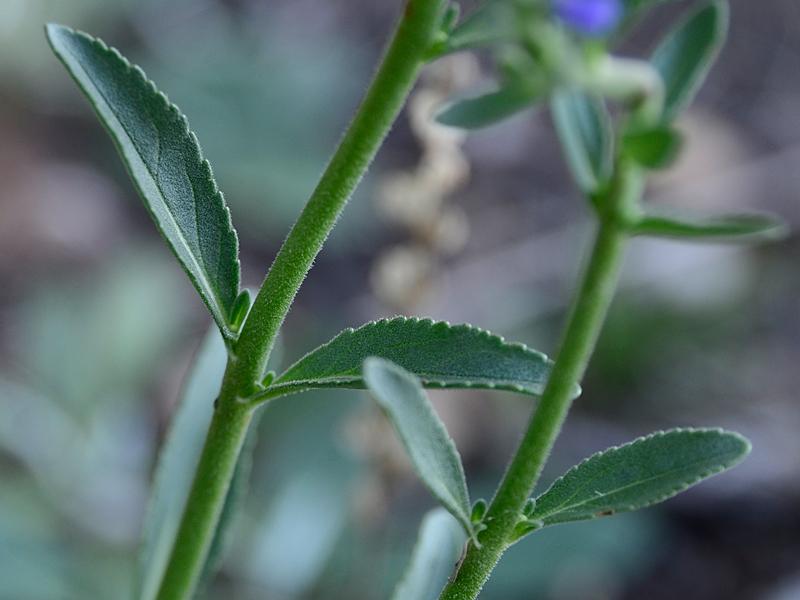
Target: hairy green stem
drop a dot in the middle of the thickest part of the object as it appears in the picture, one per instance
(207, 496)
(583, 327)
(383, 101)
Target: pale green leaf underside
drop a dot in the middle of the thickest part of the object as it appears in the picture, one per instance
(430, 449)
(687, 53)
(638, 474)
(584, 129)
(177, 462)
(165, 162)
(440, 354)
(744, 228)
(438, 548)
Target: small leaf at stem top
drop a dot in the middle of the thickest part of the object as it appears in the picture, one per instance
(646, 471)
(164, 159)
(493, 22)
(433, 454)
(687, 53)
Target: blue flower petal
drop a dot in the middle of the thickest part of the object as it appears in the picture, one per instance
(589, 17)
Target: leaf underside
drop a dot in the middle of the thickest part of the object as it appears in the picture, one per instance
(164, 160)
(638, 474)
(685, 56)
(439, 545)
(584, 128)
(430, 449)
(440, 354)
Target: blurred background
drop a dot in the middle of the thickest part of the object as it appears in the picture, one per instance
(98, 324)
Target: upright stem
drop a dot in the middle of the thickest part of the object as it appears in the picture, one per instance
(207, 496)
(583, 327)
(383, 102)
(384, 99)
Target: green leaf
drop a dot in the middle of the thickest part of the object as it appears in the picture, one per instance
(635, 6)
(654, 148)
(493, 22)
(744, 228)
(641, 473)
(479, 509)
(240, 310)
(687, 53)
(164, 159)
(433, 454)
(440, 354)
(587, 138)
(633, 11)
(176, 466)
(437, 551)
(488, 109)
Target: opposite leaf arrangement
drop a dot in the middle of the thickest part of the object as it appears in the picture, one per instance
(554, 52)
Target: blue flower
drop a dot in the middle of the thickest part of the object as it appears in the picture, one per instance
(589, 17)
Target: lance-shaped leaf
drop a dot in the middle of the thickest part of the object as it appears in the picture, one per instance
(744, 228)
(587, 138)
(439, 545)
(433, 454)
(164, 160)
(490, 108)
(641, 473)
(176, 466)
(687, 53)
(440, 354)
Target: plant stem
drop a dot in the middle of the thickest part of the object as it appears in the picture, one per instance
(383, 101)
(215, 469)
(583, 327)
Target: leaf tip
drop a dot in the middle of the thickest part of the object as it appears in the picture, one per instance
(745, 446)
(57, 35)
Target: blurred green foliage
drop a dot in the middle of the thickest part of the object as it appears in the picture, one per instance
(90, 359)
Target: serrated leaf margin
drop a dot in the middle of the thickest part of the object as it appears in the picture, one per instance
(286, 387)
(638, 441)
